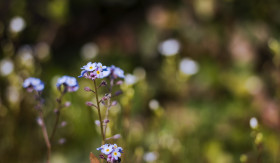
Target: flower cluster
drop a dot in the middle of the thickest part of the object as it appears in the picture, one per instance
(70, 83)
(33, 84)
(93, 71)
(112, 151)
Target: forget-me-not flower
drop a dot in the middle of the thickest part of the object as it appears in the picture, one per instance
(33, 84)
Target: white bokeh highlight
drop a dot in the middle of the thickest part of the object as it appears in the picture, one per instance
(154, 104)
(169, 47)
(17, 24)
(6, 67)
(150, 157)
(254, 123)
(89, 51)
(188, 66)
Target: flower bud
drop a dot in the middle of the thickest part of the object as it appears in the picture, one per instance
(101, 156)
(39, 121)
(106, 121)
(87, 89)
(63, 124)
(88, 103)
(103, 83)
(97, 122)
(67, 104)
(114, 103)
(118, 93)
(120, 82)
(62, 141)
(117, 136)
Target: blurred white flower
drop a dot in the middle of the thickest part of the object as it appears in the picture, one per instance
(150, 156)
(17, 24)
(130, 79)
(154, 104)
(6, 67)
(89, 51)
(188, 66)
(253, 123)
(169, 47)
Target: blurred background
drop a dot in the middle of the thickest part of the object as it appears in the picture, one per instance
(202, 85)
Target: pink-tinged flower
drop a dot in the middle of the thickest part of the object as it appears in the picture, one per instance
(69, 82)
(33, 84)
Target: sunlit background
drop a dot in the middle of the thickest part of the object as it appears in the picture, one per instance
(202, 78)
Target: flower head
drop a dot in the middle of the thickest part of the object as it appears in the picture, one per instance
(33, 83)
(93, 71)
(112, 151)
(69, 82)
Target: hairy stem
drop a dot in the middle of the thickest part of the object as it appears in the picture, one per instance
(99, 114)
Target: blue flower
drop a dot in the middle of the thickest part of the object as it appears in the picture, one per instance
(89, 66)
(33, 83)
(114, 71)
(70, 83)
(93, 71)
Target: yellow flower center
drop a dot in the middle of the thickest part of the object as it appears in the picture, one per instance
(107, 150)
(90, 67)
(115, 153)
(98, 72)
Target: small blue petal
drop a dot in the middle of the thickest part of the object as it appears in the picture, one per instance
(82, 73)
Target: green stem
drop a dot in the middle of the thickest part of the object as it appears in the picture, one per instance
(99, 114)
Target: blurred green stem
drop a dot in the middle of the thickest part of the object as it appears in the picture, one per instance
(99, 114)
(59, 101)
(44, 129)
(45, 134)
(107, 114)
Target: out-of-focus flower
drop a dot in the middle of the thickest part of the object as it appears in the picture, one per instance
(188, 66)
(33, 83)
(17, 24)
(253, 123)
(130, 79)
(114, 71)
(69, 82)
(6, 67)
(150, 156)
(169, 47)
(93, 71)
